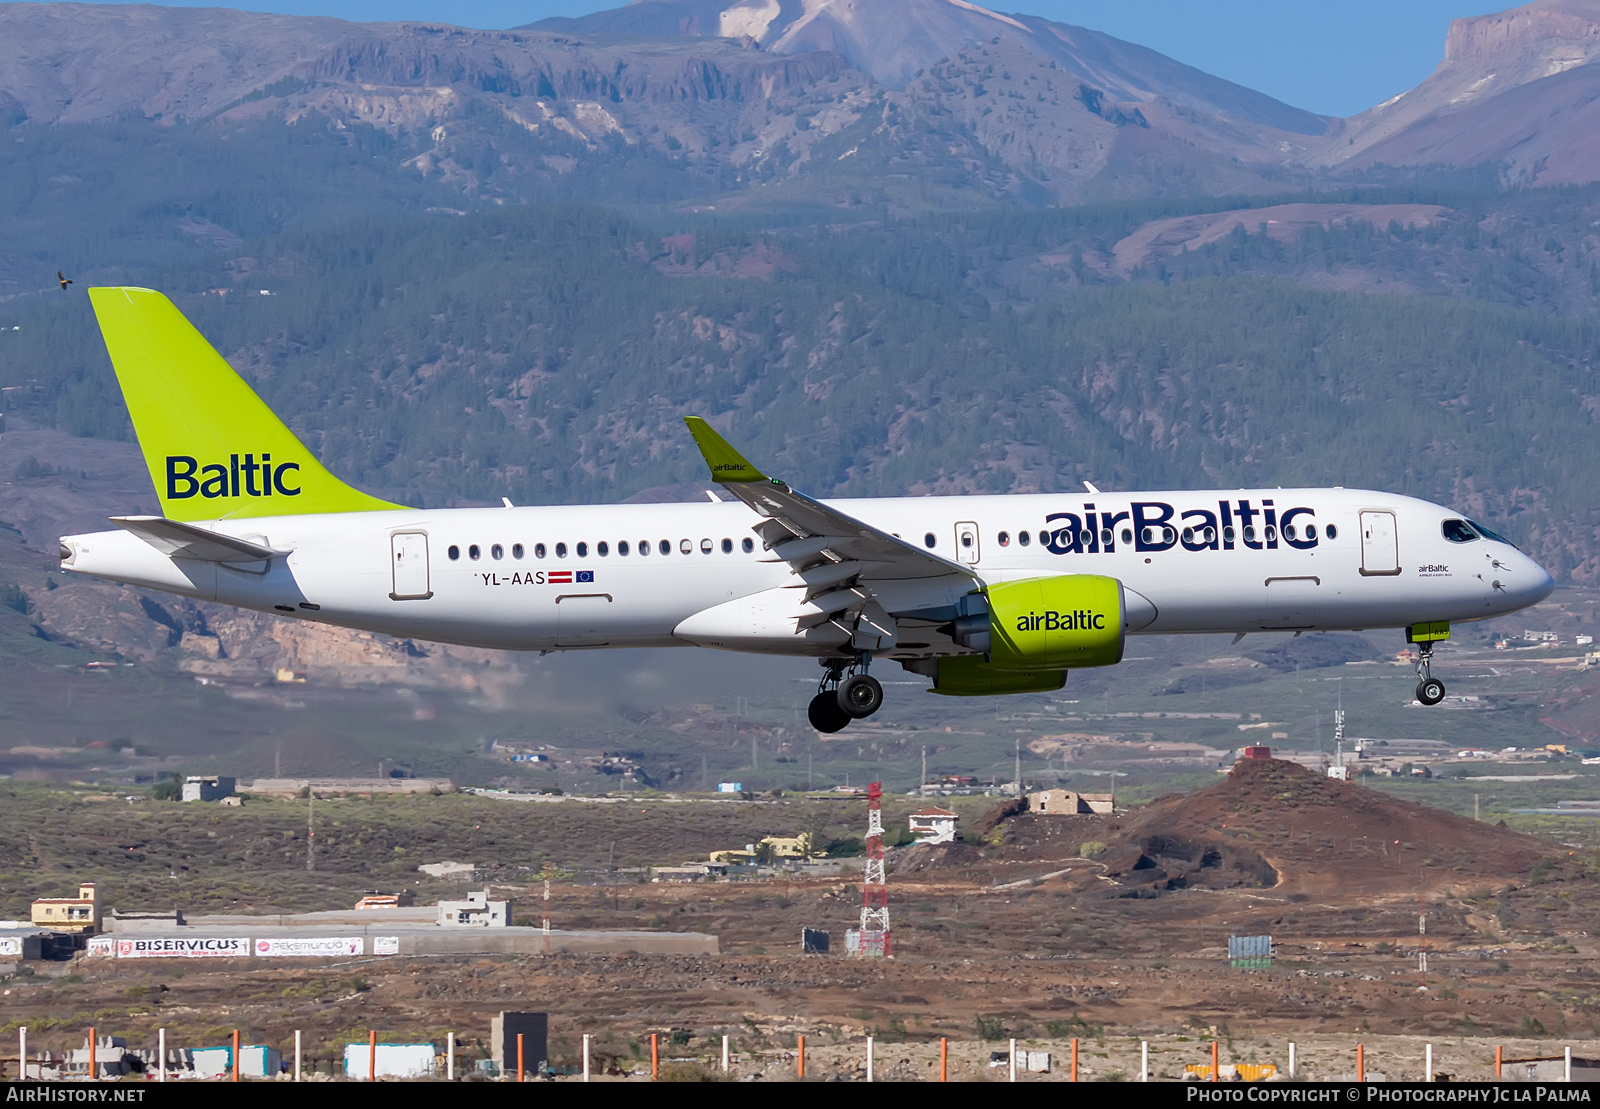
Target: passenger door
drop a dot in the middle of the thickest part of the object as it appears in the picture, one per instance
(967, 549)
(409, 562)
(1380, 544)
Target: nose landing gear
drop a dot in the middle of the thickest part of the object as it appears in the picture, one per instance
(845, 693)
(1430, 690)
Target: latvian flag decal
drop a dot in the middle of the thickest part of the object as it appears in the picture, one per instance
(569, 577)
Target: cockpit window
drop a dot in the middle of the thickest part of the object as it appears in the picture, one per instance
(1487, 534)
(1459, 531)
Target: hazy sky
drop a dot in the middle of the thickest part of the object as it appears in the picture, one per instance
(1332, 56)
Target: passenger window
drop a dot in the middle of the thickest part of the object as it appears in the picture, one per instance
(1044, 538)
(1188, 535)
(727, 546)
(1331, 532)
(748, 545)
(622, 547)
(583, 550)
(454, 552)
(517, 551)
(705, 547)
(602, 548)
(1311, 531)
(1004, 539)
(1228, 534)
(665, 546)
(538, 550)
(561, 550)
(685, 546)
(1024, 537)
(928, 540)
(473, 552)
(497, 552)
(1105, 537)
(1249, 533)
(1288, 532)
(644, 547)
(1272, 534)
(1459, 531)
(1127, 535)
(1211, 535)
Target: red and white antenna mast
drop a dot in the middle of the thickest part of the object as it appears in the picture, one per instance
(874, 936)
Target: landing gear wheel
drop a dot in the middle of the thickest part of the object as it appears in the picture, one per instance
(860, 696)
(1430, 691)
(826, 714)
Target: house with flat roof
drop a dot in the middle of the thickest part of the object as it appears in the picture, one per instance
(69, 914)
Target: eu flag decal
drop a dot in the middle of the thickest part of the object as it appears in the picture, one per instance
(584, 576)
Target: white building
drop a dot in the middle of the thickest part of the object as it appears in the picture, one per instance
(477, 911)
(207, 788)
(934, 826)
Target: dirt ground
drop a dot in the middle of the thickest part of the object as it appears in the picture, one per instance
(1015, 935)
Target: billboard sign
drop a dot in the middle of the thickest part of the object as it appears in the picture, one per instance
(161, 947)
(310, 947)
(386, 945)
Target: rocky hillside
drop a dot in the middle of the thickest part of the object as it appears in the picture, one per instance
(1517, 88)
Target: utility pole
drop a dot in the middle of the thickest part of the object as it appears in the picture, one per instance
(753, 766)
(311, 830)
(1019, 768)
(705, 780)
(923, 784)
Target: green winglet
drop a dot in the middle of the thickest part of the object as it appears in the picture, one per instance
(727, 465)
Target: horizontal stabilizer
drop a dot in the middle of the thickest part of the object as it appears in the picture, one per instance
(177, 540)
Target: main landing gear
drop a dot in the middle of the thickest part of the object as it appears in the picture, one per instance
(1430, 690)
(845, 693)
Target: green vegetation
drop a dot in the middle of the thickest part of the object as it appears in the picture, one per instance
(542, 353)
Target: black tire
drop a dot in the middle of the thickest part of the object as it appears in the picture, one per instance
(860, 696)
(1430, 691)
(825, 714)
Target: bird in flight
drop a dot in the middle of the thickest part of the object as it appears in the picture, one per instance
(64, 279)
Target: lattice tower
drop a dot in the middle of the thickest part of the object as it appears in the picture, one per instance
(874, 886)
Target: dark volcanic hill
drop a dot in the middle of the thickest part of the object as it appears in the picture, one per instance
(1275, 824)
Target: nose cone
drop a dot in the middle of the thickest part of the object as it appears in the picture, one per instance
(1532, 585)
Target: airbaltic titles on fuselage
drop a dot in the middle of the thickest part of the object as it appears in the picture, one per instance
(1158, 526)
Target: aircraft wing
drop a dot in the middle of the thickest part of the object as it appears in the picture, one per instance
(816, 540)
(179, 540)
(849, 575)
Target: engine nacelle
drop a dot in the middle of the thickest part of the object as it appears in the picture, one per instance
(1057, 623)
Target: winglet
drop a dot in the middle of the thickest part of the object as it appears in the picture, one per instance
(727, 465)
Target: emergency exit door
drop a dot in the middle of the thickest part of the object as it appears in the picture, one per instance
(409, 563)
(1380, 544)
(967, 542)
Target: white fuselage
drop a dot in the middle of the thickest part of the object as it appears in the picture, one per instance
(1368, 560)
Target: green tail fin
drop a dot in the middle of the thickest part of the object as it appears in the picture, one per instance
(213, 448)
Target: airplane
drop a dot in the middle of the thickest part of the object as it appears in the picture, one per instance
(982, 595)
